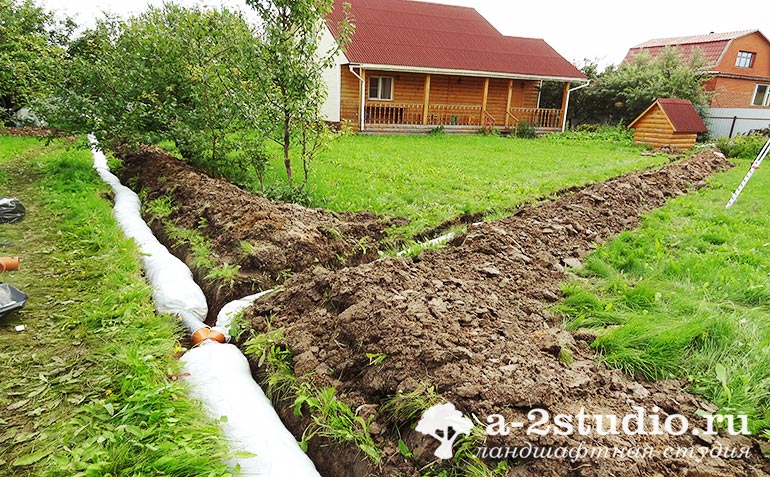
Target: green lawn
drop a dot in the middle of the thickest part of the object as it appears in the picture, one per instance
(431, 179)
(85, 389)
(687, 295)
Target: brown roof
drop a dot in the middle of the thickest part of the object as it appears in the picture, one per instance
(681, 114)
(406, 33)
(712, 45)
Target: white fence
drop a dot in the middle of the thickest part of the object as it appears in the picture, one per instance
(729, 122)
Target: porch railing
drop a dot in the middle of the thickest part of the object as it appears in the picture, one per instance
(454, 114)
(457, 115)
(538, 117)
(393, 113)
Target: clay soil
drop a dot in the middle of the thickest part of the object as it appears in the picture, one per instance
(473, 321)
(268, 240)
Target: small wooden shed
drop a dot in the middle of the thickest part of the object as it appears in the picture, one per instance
(668, 122)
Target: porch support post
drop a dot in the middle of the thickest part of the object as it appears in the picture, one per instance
(426, 100)
(564, 103)
(363, 100)
(508, 103)
(484, 97)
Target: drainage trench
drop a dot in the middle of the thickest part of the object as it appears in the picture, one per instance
(219, 374)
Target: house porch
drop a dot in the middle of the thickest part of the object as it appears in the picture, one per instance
(406, 102)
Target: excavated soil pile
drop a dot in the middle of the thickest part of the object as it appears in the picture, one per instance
(472, 320)
(268, 240)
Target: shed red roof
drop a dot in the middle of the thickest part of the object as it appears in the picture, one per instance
(407, 33)
(712, 46)
(680, 113)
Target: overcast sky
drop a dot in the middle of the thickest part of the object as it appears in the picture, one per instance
(596, 30)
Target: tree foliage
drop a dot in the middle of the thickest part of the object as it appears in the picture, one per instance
(32, 42)
(294, 90)
(617, 95)
(669, 74)
(206, 80)
(171, 73)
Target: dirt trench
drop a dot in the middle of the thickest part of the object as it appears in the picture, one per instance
(473, 321)
(268, 240)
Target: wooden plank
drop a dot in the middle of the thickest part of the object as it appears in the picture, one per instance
(484, 97)
(350, 98)
(362, 99)
(564, 99)
(426, 100)
(508, 103)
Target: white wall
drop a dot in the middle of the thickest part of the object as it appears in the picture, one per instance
(720, 120)
(332, 77)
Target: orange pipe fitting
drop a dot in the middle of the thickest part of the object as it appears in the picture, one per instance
(8, 264)
(205, 333)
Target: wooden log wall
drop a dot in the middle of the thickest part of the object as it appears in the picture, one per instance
(656, 130)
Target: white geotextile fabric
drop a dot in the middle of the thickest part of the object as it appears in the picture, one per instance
(219, 374)
(221, 378)
(173, 288)
(231, 310)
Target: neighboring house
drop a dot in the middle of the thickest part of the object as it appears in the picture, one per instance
(413, 66)
(668, 122)
(740, 64)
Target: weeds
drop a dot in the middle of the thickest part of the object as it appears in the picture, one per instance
(404, 409)
(744, 146)
(331, 418)
(225, 273)
(276, 359)
(160, 208)
(200, 248)
(466, 462)
(376, 358)
(335, 420)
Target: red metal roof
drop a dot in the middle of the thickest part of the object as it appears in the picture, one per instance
(712, 45)
(407, 33)
(681, 113)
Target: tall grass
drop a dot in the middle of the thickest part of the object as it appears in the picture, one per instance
(687, 295)
(433, 178)
(90, 380)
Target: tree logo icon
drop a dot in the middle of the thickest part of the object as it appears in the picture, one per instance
(445, 424)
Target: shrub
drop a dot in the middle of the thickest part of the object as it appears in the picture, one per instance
(437, 131)
(744, 146)
(525, 130)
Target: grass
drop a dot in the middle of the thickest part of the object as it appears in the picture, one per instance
(687, 295)
(330, 417)
(86, 388)
(432, 179)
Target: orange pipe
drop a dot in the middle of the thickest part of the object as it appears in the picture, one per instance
(8, 264)
(206, 333)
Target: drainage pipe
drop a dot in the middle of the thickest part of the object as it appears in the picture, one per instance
(219, 374)
(566, 104)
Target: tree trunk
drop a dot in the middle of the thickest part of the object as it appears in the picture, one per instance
(286, 145)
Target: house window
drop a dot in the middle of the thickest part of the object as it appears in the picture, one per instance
(381, 87)
(745, 59)
(761, 95)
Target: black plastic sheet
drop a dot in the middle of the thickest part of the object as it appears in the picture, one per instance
(11, 299)
(11, 210)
